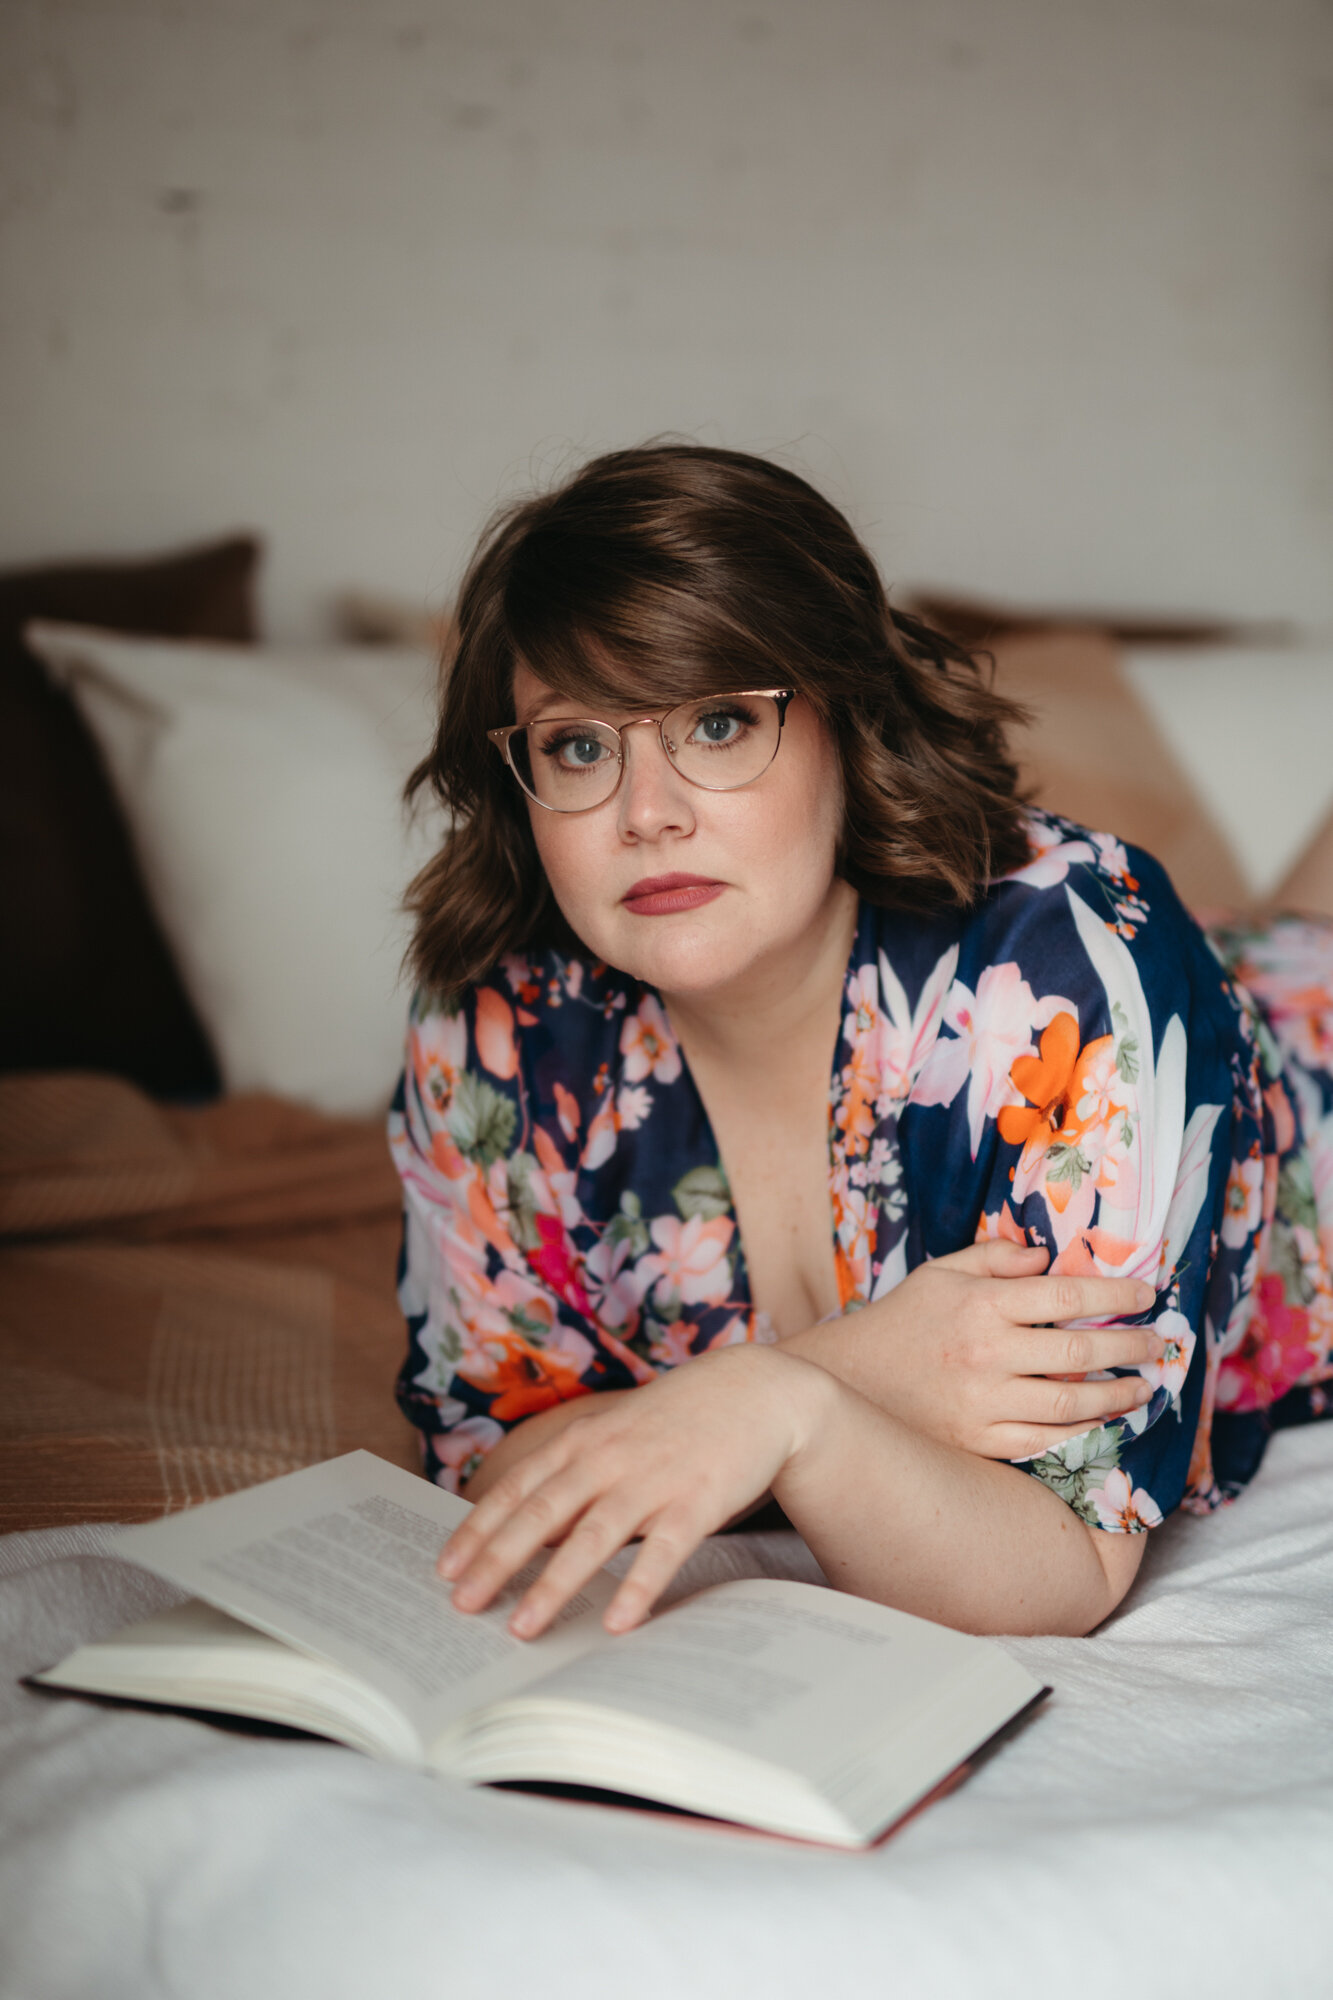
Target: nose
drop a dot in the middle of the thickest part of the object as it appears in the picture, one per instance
(653, 798)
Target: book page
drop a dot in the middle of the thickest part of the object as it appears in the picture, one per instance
(339, 1561)
(788, 1672)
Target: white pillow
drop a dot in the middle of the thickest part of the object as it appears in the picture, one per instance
(1253, 728)
(263, 790)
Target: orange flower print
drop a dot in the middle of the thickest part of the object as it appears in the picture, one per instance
(522, 1379)
(495, 1033)
(1002, 1227)
(567, 1111)
(1044, 1081)
(1242, 1204)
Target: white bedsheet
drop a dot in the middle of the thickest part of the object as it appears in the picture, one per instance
(1164, 1827)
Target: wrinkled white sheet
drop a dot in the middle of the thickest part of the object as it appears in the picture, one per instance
(1164, 1827)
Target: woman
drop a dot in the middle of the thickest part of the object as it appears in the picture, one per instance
(762, 1030)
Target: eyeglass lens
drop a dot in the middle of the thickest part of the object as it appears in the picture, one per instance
(721, 743)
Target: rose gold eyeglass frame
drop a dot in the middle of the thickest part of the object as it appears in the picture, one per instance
(501, 738)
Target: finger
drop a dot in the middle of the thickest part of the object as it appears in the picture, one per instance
(507, 1494)
(1078, 1350)
(998, 1259)
(1073, 1406)
(547, 1512)
(669, 1543)
(612, 1521)
(1027, 1441)
(1048, 1301)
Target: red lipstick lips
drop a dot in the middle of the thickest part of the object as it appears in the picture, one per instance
(667, 895)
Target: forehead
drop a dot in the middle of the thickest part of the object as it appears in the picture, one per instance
(533, 699)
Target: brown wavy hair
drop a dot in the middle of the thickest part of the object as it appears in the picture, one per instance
(675, 570)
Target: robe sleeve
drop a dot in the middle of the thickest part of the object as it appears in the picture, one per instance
(1087, 1093)
(498, 1326)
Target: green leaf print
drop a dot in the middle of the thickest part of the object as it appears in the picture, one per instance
(522, 1201)
(451, 1341)
(528, 1326)
(1127, 1048)
(480, 1121)
(1066, 1163)
(702, 1191)
(1295, 1194)
(1285, 1262)
(626, 1229)
(1071, 1468)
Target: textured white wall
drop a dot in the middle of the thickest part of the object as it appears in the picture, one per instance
(1040, 289)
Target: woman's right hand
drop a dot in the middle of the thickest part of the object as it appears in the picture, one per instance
(969, 1349)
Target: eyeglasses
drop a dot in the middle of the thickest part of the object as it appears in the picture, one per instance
(571, 764)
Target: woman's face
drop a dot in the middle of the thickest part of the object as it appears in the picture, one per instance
(757, 863)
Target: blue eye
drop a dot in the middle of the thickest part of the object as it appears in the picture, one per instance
(575, 752)
(718, 728)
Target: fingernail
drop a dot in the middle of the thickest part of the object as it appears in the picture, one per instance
(1146, 1297)
(446, 1564)
(1143, 1392)
(523, 1622)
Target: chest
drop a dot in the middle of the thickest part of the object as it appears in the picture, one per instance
(774, 1148)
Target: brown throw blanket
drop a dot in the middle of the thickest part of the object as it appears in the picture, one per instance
(190, 1300)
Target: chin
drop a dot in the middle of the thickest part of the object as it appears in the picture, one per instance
(692, 961)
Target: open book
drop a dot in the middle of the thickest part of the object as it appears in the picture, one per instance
(780, 1705)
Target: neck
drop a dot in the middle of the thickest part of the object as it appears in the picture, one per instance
(787, 999)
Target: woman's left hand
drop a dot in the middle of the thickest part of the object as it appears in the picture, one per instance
(671, 1462)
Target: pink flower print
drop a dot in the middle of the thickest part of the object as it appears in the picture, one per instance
(1053, 854)
(743, 1329)
(690, 1261)
(601, 1140)
(862, 1004)
(1279, 1348)
(992, 1029)
(672, 1345)
(1242, 1205)
(1099, 1091)
(438, 1048)
(462, 1450)
(1112, 858)
(648, 1045)
(614, 1283)
(633, 1104)
(1128, 1512)
(627, 1114)
(554, 1260)
(1169, 1374)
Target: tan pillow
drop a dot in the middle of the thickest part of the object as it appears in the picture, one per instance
(1091, 752)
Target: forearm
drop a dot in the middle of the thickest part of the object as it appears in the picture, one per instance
(833, 1345)
(894, 1516)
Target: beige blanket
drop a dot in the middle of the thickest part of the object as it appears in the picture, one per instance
(190, 1300)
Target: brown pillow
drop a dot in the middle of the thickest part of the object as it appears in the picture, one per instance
(1092, 752)
(978, 622)
(88, 980)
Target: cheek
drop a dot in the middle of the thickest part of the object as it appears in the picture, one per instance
(566, 849)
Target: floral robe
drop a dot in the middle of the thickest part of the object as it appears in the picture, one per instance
(1071, 1063)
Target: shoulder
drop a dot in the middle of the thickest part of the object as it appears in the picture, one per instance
(542, 1031)
(1091, 916)
(526, 1009)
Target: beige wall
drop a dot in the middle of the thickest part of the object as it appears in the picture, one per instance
(1040, 289)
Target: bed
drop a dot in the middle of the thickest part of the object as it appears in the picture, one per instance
(196, 1292)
